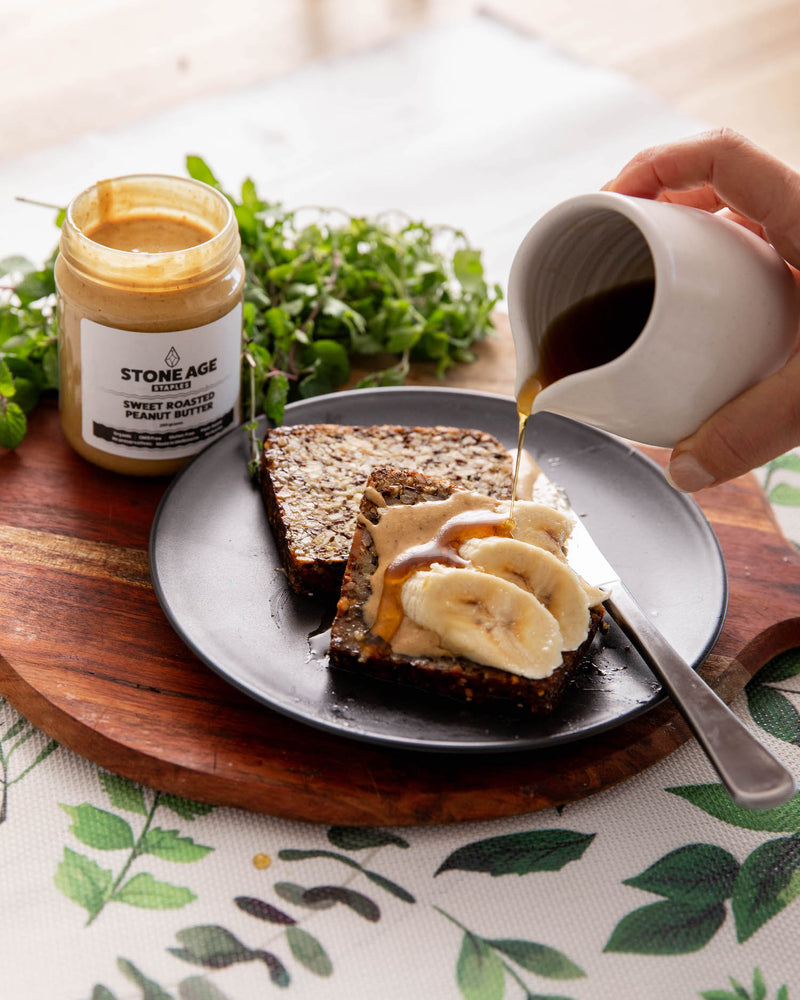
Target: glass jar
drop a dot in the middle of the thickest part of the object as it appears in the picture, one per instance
(149, 283)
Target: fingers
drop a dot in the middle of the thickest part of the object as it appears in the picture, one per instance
(704, 197)
(755, 427)
(716, 169)
(681, 165)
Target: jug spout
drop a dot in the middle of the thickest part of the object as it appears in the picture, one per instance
(600, 403)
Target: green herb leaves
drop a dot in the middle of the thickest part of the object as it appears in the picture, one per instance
(324, 289)
(28, 353)
(12, 418)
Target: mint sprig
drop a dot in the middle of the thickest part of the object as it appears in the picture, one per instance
(28, 352)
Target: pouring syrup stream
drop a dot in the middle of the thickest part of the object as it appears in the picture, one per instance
(525, 397)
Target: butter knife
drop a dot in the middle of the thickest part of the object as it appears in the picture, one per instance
(754, 778)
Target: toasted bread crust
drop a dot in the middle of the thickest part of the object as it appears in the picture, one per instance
(354, 648)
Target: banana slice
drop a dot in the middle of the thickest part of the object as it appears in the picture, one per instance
(484, 618)
(549, 529)
(595, 595)
(539, 572)
(539, 525)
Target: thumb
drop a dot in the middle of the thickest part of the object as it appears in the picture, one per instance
(750, 430)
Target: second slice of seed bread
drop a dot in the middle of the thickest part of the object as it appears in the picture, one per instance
(313, 476)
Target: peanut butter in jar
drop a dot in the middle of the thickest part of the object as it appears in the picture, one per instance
(149, 283)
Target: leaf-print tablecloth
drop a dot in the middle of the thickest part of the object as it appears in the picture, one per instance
(658, 888)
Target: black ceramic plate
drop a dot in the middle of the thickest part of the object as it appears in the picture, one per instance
(216, 572)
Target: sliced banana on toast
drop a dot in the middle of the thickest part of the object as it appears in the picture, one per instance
(485, 618)
(518, 605)
(549, 529)
(540, 573)
(542, 526)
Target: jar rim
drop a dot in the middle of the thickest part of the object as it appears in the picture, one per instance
(155, 194)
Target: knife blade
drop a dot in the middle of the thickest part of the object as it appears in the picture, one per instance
(753, 776)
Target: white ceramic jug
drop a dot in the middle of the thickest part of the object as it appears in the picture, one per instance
(724, 311)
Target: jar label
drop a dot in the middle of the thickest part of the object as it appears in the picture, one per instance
(159, 395)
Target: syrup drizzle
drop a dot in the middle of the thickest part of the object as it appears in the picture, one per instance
(442, 549)
(525, 399)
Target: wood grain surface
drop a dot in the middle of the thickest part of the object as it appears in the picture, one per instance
(87, 655)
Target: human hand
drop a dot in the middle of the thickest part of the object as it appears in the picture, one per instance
(721, 171)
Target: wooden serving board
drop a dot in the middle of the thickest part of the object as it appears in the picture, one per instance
(87, 655)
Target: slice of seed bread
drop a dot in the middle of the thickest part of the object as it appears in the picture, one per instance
(313, 475)
(353, 647)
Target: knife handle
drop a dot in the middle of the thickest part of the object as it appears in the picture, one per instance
(754, 778)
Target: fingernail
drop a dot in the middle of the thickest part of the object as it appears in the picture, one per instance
(686, 474)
